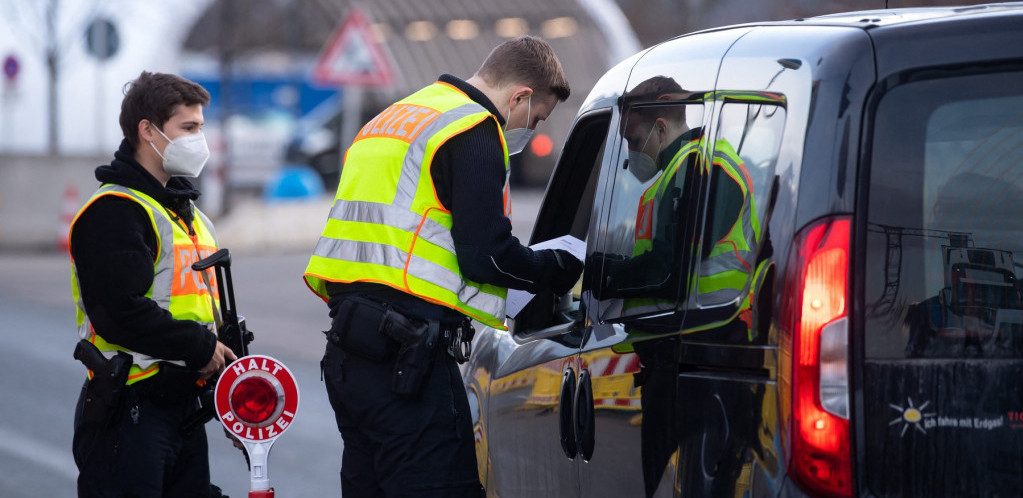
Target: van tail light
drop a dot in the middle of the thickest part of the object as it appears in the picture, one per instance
(813, 376)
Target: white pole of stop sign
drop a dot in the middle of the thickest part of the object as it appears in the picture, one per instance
(256, 400)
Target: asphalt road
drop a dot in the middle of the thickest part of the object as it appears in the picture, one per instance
(41, 380)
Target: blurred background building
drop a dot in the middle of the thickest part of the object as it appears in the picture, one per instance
(65, 63)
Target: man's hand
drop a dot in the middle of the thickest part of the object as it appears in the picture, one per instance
(237, 443)
(222, 355)
(567, 274)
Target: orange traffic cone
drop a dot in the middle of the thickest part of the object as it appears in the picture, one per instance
(68, 209)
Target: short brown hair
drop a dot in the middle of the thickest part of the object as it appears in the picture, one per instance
(154, 96)
(657, 88)
(529, 61)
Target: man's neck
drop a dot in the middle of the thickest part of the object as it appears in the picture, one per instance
(151, 162)
(497, 96)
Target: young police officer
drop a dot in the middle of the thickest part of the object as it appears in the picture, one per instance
(145, 318)
(418, 241)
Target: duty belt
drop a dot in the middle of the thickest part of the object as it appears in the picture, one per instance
(459, 339)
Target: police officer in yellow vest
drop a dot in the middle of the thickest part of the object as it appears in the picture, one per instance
(418, 242)
(138, 300)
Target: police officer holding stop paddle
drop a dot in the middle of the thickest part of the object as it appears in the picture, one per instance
(145, 316)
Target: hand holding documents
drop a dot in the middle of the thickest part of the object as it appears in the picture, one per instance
(518, 299)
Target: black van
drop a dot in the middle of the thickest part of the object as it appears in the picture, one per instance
(801, 271)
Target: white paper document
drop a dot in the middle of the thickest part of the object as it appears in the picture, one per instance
(518, 299)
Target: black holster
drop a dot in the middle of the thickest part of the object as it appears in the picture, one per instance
(103, 392)
(418, 342)
(375, 332)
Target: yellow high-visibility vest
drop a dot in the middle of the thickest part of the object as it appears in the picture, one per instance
(727, 269)
(387, 225)
(647, 223)
(647, 212)
(725, 274)
(176, 287)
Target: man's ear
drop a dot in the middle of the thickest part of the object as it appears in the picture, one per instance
(145, 131)
(662, 127)
(520, 93)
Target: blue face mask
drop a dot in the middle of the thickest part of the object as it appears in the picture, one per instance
(517, 138)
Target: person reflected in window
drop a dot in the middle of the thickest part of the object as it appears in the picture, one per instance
(663, 150)
(662, 147)
(665, 157)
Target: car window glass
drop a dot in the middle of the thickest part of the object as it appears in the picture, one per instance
(640, 257)
(748, 140)
(945, 238)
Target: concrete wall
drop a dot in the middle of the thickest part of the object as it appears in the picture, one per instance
(34, 214)
(33, 209)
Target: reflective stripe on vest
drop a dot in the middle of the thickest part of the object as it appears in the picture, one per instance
(387, 225)
(727, 269)
(176, 287)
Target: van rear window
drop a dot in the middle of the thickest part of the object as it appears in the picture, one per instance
(943, 316)
(945, 220)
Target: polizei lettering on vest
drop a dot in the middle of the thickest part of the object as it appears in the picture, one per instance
(190, 281)
(400, 122)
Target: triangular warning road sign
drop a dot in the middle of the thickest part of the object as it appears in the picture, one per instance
(353, 57)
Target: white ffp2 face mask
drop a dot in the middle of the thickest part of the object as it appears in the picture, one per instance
(517, 138)
(641, 165)
(185, 155)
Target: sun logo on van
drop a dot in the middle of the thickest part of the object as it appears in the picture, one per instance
(910, 415)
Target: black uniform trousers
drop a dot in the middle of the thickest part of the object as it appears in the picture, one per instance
(141, 452)
(396, 446)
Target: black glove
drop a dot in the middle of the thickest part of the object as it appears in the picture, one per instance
(567, 273)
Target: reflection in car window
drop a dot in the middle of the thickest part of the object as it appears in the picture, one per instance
(742, 171)
(945, 235)
(641, 249)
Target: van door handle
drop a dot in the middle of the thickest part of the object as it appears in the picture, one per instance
(585, 422)
(565, 414)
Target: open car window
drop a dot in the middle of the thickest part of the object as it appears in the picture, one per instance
(567, 210)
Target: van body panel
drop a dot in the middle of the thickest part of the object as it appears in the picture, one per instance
(948, 41)
(941, 309)
(677, 388)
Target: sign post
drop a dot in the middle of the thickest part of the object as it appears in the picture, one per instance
(11, 68)
(103, 42)
(256, 400)
(353, 60)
